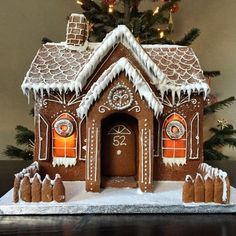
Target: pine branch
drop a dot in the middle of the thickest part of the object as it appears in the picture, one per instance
(211, 73)
(168, 5)
(219, 105)
(24, 136)
(189, 37)
(231, 142)
(226, 131)
(13, 152)
(212, 154)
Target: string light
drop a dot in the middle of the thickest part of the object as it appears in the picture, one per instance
(79, 2)
(156, 10)
(162, 34)
(110, 8)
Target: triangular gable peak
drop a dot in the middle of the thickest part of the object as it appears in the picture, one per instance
(108, 76)
(120, 34)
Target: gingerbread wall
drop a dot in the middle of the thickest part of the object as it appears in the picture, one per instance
(191, 111)
(47, 109)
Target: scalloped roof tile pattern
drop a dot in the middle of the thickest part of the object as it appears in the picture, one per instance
(54, 63)
(178, 63)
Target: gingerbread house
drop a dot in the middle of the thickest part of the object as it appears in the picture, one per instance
(116, 113)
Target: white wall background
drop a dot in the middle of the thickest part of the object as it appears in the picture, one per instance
(23, 23)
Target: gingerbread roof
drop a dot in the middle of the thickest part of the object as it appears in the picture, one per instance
(59, 67)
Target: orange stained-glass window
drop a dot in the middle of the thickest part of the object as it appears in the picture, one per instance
(174, 137)
(64, 136)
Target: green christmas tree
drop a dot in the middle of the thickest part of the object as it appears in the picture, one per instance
(149, 27)
(25, 143)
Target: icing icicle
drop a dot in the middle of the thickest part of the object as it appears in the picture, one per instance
(141, 86)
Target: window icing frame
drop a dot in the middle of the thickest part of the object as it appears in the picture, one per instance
(72, 119)
(163, 129)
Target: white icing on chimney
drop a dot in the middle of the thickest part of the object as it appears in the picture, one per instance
(77, 31)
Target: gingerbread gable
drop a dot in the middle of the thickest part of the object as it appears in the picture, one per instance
(107, 77)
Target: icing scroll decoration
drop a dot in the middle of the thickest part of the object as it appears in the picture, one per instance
(61, 99)
(120, 97)
(136, 107)
(103, 108)
(180, 101)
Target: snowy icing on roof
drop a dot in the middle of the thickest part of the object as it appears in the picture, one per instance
(55, 65)
(107, 77)
(59, 67)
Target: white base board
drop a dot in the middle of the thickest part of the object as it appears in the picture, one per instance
(166, 198)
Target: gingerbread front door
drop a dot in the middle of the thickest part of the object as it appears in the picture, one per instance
(119, 147)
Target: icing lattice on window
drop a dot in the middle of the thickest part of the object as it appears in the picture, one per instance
(64, 140)
(174, 140)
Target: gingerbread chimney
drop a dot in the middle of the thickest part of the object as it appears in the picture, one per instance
(77, 30)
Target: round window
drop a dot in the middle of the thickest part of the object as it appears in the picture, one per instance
(175, 129)
(64, 127)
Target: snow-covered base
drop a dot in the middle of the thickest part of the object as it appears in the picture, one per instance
(165, 199)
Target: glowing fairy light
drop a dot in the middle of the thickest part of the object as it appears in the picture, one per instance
(79, 2)
(156, 10)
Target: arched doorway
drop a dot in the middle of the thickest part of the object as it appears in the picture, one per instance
(119, 151)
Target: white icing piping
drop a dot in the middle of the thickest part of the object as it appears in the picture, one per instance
(37, 175)
(199, 176)
(28, 170)
(119, 34)
(82, 47)
(174, 161)
(195, 137)
(208, 176)
(108, 76)
(222, 176)
(212, 173)
(188, 177)
(66, 161)
(166, 85)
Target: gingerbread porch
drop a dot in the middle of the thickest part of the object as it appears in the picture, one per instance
(116, 113)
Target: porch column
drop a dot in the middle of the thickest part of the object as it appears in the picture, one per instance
(146, 155)
(92, 163)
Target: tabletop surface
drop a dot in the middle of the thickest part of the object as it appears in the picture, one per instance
(200, 225)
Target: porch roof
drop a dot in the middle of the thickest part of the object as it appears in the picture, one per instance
(134, 76)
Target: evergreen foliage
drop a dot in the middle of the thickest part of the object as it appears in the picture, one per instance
(219, 105)
(25, 139)
(145, 25)
(220, 137)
